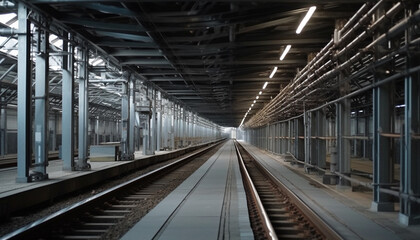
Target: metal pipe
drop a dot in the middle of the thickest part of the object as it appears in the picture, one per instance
(107, 80)
(283, 96)
(8, 31)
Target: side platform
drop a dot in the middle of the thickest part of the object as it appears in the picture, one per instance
(19, 196)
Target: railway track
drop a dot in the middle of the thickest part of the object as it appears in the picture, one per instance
(97, 216)
(275, 212)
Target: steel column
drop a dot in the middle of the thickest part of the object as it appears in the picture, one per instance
(41, 107)
(172, 126)
(153, 127)
(343, 145)
(410, 147)
(124, 122)
(83, 78)
(307, 122)
(159, 110)
(132, 117)
(24, 96)
(321, 147)
(67, 143)
(382, 123)
(3, 127)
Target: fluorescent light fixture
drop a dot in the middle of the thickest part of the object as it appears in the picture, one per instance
(258, 97)
(252, 105)
(255, 101)
(260, 93)
(305, 19)
(265, 85)
(286, 50)
(249, 109)
(273, 72)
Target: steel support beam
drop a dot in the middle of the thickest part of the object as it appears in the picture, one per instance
(41, 107)
(67, 143)
(24, 97)
(83, 77)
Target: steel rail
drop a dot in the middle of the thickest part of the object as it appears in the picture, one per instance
(313, 217)
(269, 229)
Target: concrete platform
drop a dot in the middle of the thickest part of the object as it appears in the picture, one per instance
(346, 211)
(210, 204)
(18, 196)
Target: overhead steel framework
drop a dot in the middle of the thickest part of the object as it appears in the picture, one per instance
(155, 74)
(62, 76)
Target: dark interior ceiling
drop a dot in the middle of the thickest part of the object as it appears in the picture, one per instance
(215, 56)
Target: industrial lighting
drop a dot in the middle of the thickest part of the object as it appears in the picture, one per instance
(258, 97)
(260, 92)
(252, 105)
(265, 85)
(286, 50)
(273, 72)
(305, 19)
(255, 101)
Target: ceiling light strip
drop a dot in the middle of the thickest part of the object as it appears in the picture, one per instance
(286, 50)
(273, 72)
(305, 19)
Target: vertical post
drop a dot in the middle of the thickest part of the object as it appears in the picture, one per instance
(41, 107)
(159, 109)
(3, 127)
(67, 145)
(124, 122)
(382, 111)
(83, 78)
(132, 117)
(307, 121)
(321, 148)
(53, 135)
(98, 136)
(342, 116)
(343, 145)
(410, 147)
(153, 127)
(173, 124)
(24, 96)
